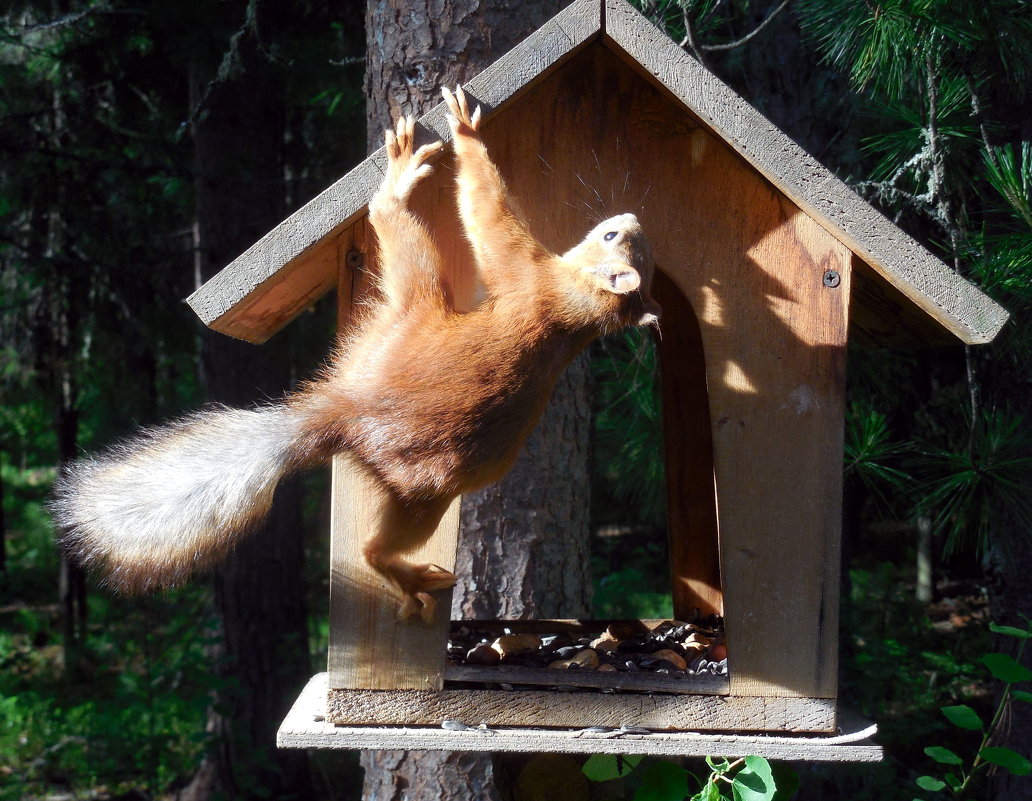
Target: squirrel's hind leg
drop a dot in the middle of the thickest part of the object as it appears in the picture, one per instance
(404, 526)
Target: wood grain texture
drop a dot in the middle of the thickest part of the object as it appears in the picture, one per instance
(957, 305)
(291, 266)
(305, 726)
(369, 646)
(577, 709)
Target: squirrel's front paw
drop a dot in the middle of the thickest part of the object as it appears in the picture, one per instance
(406, 168)
(460, 119)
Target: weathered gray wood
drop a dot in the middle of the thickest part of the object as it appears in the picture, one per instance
(960, 307)
(704, 684)
(306, 727)
(581, 709)
(290, 267)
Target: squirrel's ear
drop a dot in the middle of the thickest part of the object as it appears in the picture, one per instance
(616, 278)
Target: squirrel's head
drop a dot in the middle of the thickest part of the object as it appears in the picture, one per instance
(613, 274)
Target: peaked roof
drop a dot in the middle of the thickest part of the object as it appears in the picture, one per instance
(296, 262)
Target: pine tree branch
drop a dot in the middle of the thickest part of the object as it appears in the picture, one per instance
(689, 40)
(749, 36)
(16, 32)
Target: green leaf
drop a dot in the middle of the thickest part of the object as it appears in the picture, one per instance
(709, 793)
(1011, 631)
(1022, 695)
(1006, 668)
(754, 782)
(963, 716)
(1007, 758)
(662, 781)
(943, 755)
(930, 783)
(603, 767)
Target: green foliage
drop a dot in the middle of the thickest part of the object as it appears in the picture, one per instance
(966, 485)
(605, 767)
(1009, 671)
(633, 593)
(750, 778)
(896, 653)
(138, 722)
(1011, 177)
(871, 454)
(627, 434)
(887, 45)
(629, 481)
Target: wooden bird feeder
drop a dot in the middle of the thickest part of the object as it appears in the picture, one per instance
(767, 265)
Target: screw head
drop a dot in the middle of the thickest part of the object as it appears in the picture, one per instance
(355, 259)
(832, 278)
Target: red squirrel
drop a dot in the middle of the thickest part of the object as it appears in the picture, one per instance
(431, 401)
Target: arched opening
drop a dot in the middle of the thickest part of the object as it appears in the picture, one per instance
(653, 474)
(687, 435)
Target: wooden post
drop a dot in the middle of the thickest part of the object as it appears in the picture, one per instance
(369, 647)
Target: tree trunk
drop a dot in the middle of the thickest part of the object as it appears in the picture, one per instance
(524, 541)
(259, 591)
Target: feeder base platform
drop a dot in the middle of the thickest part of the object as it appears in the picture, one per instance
(306, 727)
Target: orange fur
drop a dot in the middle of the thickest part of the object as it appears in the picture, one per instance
(439, 402)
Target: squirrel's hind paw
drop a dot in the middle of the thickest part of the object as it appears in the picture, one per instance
(416, 583)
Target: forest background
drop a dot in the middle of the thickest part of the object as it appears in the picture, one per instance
(116, 145)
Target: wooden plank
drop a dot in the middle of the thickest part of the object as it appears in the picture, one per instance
(564, 626)
(291, 266)
(234, 301)
(703, 684)
(579, 709)
(305, 726)
(880, 316)
(776, 381)
(924, 280)
(369, 647)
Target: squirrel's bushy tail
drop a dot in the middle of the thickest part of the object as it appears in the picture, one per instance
(175, 499)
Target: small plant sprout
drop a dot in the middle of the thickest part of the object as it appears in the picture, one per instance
(959, 772)
(748, 778)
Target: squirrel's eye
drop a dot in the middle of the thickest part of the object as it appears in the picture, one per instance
(610, 236)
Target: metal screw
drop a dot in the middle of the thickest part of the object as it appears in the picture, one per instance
(832, 279)
(355, 259)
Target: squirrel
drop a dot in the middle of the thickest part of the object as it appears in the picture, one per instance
(432, 402)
